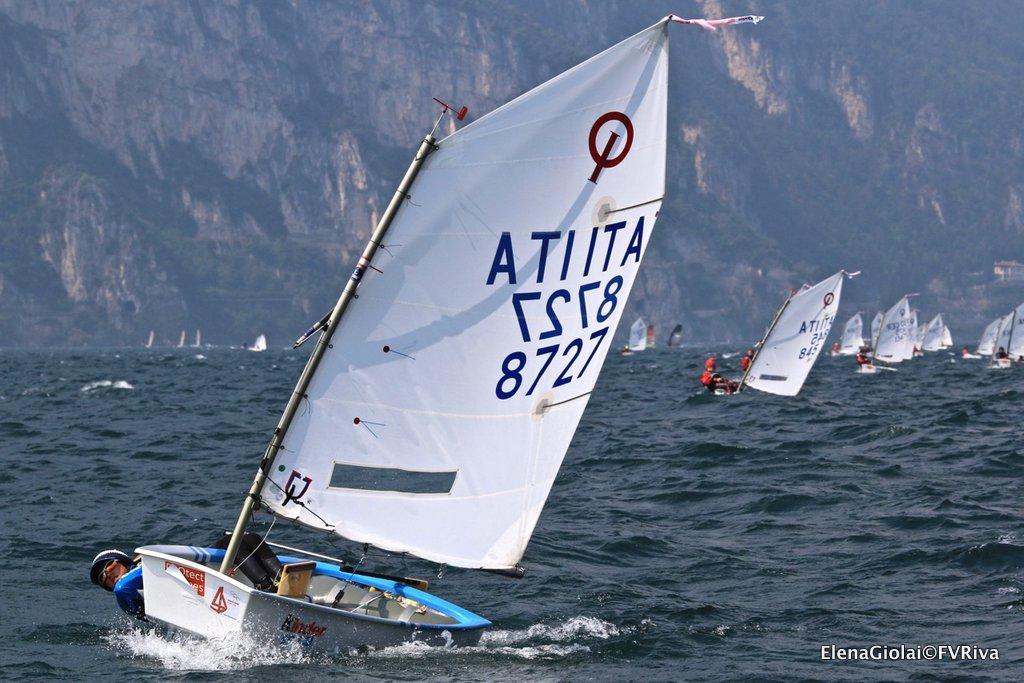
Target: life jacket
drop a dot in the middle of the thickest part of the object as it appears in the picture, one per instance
(862, 359)
(705, 378)
(744, 362)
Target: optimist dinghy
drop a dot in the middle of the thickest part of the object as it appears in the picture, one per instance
(794, 339)
(380, 442)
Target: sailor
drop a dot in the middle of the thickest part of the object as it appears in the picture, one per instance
(707, 378)
(835, 348)
(719, 382)
(1001, 353)
(965, 352)
(862, 357)
(115, 571)
(747, 358)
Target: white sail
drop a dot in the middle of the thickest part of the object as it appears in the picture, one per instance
(1003, 338)
(947, 338)
(788, 353)
(437, 420)
(181, 340)
(933, 334)
(987, 343)
(638, 335)
(199, 339)
(876, 322)
(1015, 343)
(895, 338)
(853, 336)
(149, 341)
(260, 344)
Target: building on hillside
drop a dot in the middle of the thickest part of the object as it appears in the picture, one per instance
(1008, 271)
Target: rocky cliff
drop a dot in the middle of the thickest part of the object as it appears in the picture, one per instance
(218, 165)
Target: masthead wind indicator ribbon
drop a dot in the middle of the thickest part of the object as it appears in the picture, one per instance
(714, 24)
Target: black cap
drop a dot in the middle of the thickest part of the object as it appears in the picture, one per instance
(101, 561)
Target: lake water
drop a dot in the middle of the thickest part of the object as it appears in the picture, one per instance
(687, 536)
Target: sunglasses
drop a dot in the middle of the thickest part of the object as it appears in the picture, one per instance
(108, 567)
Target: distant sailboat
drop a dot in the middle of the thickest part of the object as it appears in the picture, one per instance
(876, 324)
(853, 336)
(676, 337)
(650, 337)
(895, 340)
(933, 334)
(947, 338)
(199, 339)
(260, 344)
(149, 342)
(181, 340)
(987, 343)
(1016, 344)
(793, 341)
(1003, 341)
(638, 335)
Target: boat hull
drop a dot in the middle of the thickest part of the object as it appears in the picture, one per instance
(185, 592)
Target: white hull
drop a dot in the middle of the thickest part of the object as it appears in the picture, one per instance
(970, 356)
(867, 369)
(1001, 363)
(193, 597)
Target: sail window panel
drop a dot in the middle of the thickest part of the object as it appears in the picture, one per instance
(390, 479)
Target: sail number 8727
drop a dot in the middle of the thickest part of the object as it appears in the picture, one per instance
(512, 368)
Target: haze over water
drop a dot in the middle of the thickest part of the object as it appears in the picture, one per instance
(686, 535)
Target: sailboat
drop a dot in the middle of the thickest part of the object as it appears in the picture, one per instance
(181, 340)
(1002, 342)
(149, 341)
(199, 339)
(790, 346)
(383, 444)
(260, 344)
(651, 341)
(638, 335)
(853, 336)
(987, 343)
(894, 342)
(876, 325)
(676, 337)
(1016, 345)
(947, 338)
(933, 334)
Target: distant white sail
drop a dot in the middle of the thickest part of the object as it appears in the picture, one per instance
(1015, 345)
(199, 338)
(638, 335)
(466, 366)
(1005, 328)
(149, 342)
(987, 343)
(895, 339)
(875, 324)
(260, 344)
(853, 336)
(947, 338)
(787, 355)
(181, 340)
(933, 334)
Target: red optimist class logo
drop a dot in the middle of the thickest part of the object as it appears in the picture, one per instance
(603, 159)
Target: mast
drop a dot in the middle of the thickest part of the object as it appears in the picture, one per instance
(760, 344)
(426, 147)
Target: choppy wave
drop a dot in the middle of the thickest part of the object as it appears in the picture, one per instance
(178, 652)
(106, 384)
